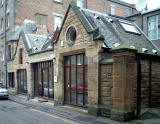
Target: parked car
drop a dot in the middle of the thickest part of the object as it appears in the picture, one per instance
(3, 92)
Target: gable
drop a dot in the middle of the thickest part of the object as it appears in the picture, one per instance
(82, 35)
(20, 45)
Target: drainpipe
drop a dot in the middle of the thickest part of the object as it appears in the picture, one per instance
(150, 83)
(138, 87)
(5, 42)
(99, 84)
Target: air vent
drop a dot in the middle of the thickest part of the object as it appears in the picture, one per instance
(110, 20)
(144, 50)
(96, 17)
(36, 39)
(35, 48)
(116, 44)
(154, 51)
(133, 47)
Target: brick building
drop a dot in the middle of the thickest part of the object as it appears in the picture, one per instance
(148, 21)
(48, 14)
(101, 62)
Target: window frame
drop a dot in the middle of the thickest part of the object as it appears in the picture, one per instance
(11, 80)
(9, 52)
(135, 30)
(155, 35)
(55, 23)
(7, 20)
(2, 24)
(75, 87)
(112, 9)
(81, 3)
(21, 56)
(58, 1)
(128, 11)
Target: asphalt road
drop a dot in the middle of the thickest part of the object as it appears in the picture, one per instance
(14, 113)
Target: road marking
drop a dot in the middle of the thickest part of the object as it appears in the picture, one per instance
(69, 121)
(51, 115)
(18, 104)
(54, 116)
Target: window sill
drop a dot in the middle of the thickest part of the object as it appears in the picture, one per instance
(58, 2)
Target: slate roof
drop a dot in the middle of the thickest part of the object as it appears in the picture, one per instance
(27, 27)
(35, 42)
(110, 30)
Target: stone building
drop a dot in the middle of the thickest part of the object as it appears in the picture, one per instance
(101, 62)
(148, 21)
(31, 65)
(48, 14)
(105, 63)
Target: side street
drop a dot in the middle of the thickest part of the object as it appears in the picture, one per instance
(79, 61)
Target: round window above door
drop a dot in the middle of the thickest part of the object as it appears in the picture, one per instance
(71, 36)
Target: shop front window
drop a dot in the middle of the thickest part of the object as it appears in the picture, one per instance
(43, 79)
(22, 79)
(75, 80)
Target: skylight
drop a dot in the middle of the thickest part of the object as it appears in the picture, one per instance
(130, 28)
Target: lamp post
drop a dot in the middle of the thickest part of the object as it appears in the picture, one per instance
(5, 42)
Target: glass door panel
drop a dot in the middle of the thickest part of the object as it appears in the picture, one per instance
(51, 90)
(45, 82)
(75, 80)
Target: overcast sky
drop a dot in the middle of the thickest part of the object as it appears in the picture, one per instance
(150, 3)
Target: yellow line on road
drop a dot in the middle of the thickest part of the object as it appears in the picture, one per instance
(18, 104)
(54, 116)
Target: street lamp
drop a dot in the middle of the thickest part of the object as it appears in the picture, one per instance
(5, 41)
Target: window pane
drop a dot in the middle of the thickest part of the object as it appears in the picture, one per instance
(39, 80)
(80, 3)
(112, 10)
(86, 99)
(80, 79)
(86, 80)
(67, 81)
(80, 59)
(80, 99)
(67, 97)
(57, 21)
(85, 59)
(67, 60)
(130, 28)
(73, 60)
(73, 99)
(51, 89)
(73, 78)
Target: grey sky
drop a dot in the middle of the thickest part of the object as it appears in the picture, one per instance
(152, 4)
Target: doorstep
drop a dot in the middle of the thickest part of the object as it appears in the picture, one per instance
(43, 100)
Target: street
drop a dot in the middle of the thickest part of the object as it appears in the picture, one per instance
(14, 113)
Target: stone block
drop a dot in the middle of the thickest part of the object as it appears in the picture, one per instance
(122, 115)
(105, 112)
(93, 110)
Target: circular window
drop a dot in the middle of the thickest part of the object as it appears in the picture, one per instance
(71, 35)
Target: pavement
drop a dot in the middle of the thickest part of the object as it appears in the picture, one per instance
(148, 116)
